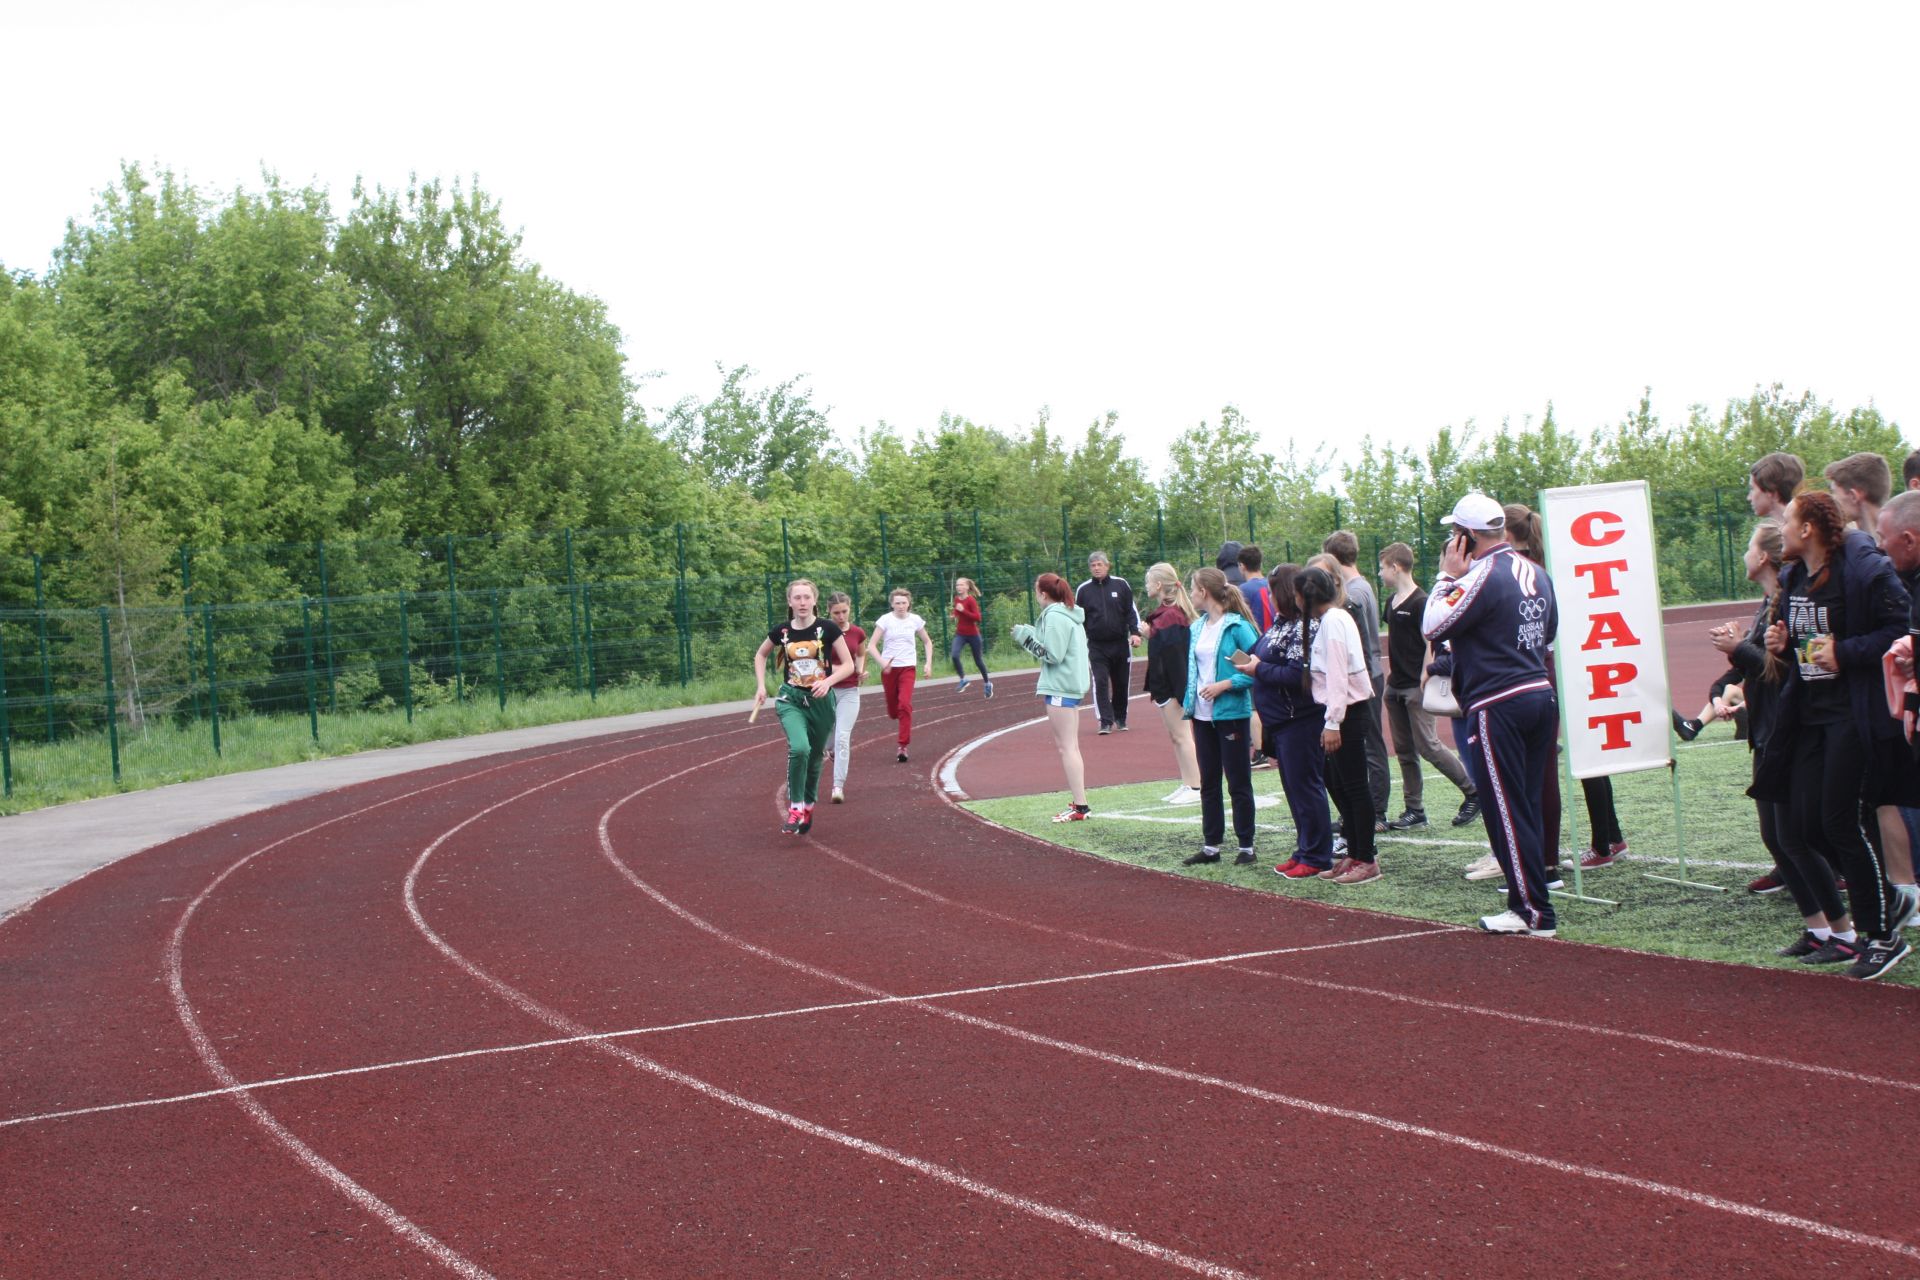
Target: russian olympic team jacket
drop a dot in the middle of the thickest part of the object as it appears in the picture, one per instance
(1236, 636)
(1500, 616)
(1058, 637)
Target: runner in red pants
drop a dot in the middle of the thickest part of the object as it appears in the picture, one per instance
(893, 642)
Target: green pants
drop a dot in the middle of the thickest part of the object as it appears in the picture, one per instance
(808, 723)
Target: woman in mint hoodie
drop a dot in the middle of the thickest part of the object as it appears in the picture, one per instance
(1221, 710)
(1058, 637)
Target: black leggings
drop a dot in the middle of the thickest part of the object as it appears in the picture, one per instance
(1602, 819)
(1347, 783)
(979, 655)
(1220, 748)
(1829, 775)
(1813, 894)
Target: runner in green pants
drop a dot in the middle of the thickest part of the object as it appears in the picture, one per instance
(813, 658)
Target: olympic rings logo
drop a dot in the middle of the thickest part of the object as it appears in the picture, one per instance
(1534, 608)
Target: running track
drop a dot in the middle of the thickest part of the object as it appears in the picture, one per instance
(583, 1011)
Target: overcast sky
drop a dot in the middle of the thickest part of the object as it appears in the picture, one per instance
(1345, 219)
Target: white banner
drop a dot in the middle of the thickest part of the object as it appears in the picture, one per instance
(1611, 651)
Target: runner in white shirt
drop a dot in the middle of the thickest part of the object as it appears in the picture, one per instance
(892, 644)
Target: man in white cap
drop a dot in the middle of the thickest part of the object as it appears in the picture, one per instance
(1496, 608)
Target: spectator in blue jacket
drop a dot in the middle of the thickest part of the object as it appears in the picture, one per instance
(1293, 720)
(1220, 709)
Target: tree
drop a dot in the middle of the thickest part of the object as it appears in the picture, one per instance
(745, 435)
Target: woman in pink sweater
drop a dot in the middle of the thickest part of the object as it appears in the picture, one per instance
(1338, 664)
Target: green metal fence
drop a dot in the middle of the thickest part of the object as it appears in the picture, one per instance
(230, 633)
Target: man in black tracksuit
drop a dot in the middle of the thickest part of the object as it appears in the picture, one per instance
(1113, 627)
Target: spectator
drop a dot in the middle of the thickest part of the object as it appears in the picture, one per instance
(1772, 482)
(1337, 664)
(1844, 607)
(1228, 562)
(1220, 711)
(1113, 627)
(1364, 607)
(1414, 736)
(1910, 470)
(1860, 484)
(1283, 696)
(1058, 638)
(1254, 589)
(1496, 609)
(1168, 638)
(1900, 539)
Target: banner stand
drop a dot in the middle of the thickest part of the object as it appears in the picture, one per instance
(1679, 833)
(1570, 790)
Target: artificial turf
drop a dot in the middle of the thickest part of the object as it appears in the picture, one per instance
(1422, 869)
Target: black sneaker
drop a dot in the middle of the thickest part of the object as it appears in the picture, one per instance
(1244, 858)
(1105, 729)
(1201, 858)
(1686, 730)
(902, 757)
(1339, 828)
(1804, 945)
(1468, 811)
(1834, 951)
(1260, 760)
(1409, 820)
(1121, 726)
(1878, 958)
(806, 822)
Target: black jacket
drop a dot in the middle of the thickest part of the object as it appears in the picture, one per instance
(1109, 607)
(1877, 613)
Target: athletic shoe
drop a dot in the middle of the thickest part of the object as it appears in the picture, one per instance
(1878, 958)
(1834, 951)
(1339, 828)
(1105, 729)
(1074, 813)
(986, 690)
(1555, 882)
(1339, 868)
(1260, 760)
(1359, 873)
(1298, 870)
(1201, 858)
(1511, 922)
(1687, 729)
(1122, 726)
(1183, 794)
(839, 796)
(1593, 859)
(1244, 858)
(1379, 826)
(1804, 945)
(962, 686)
(1339, 846)
(1906, 904)
(901, 758)
(1484, 868)
(1768, 883)
(792, 825)
(1409, 820)
(1469, 810)
(806, 819)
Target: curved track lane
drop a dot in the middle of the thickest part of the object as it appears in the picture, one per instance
(584, 1011)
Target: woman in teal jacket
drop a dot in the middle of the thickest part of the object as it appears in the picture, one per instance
(1059, 639)
(1221, 708)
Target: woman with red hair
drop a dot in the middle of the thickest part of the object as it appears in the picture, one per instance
(1058, 637)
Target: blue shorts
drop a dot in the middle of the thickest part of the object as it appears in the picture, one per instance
(1055, 700)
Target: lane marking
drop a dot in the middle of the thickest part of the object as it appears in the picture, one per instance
(949, 769)
(1670, 1191)
(939, 1173)
(203, 1047)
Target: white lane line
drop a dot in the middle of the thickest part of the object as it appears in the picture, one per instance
(939, 1173)
(950, 770)
(696, 1024)
(174, 965)
(1532, 1159)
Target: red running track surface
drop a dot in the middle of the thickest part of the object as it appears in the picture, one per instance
(583, 1011)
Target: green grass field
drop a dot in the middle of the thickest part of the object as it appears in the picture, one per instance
(1422, 870)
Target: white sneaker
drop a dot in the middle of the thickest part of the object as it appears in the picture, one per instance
(1510, 922)
(1484, 868)
(1183, 794)
(839, 796)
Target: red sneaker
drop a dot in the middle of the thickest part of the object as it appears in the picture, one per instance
(1297, 870)
(1593, 859)
(1338, 869)
(1768, 883)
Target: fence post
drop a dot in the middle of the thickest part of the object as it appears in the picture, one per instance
(186, 614)
(406, 661)
(499, 655)
(6, 724)
(857, 615)
(1160, 531)
(1066, 552)
(313, 702)
(113, 727)
(766, 581)
(1336, 514)
(979, 560)
(1420, 532)
(213, 675)
(946, 615)
(326, 628)
(573, 630)
(886, 565)
(453, 604)
(786, 550)
(1722, 545)
(1250, 538)
(683, 618)
(46, 666)
(593, 670)
(1026, 583)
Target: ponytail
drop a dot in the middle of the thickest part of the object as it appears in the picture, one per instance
(1163, 575)
(1215, 584)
